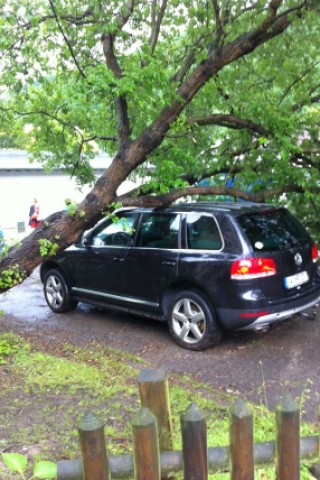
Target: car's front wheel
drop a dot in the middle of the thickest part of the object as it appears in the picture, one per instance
(57, 292)
(192, 322)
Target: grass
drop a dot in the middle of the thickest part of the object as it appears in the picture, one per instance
(43, 394)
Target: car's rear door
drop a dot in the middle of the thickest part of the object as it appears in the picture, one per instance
(275, 233)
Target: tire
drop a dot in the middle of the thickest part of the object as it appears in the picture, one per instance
(57, 293)
(192, 321)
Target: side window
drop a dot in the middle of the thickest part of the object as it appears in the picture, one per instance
(203, 232)
(159, 231)
(114, 233)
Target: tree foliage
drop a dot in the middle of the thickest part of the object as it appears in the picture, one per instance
(201, 97)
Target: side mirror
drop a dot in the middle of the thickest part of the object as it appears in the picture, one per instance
(86, 240)
(81, 240)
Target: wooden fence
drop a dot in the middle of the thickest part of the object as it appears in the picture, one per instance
(153, 457)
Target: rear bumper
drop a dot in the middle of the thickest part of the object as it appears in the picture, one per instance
(266, 320)
(233, 319)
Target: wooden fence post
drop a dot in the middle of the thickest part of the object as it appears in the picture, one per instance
(241, 442)
(194, 444)
(154, 395)
(121, 466)
(93, 448)
(145, 443)
(287, 440)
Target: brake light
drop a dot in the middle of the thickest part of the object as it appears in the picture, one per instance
(314, 252)
(253, 268)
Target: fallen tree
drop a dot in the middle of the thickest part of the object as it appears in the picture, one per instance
(165, 140)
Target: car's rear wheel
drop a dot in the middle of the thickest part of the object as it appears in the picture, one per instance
(192, 321)
(57, 292)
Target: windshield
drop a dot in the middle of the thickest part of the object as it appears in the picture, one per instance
(273, 230)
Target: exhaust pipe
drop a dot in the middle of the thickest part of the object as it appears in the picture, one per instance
(310, 316)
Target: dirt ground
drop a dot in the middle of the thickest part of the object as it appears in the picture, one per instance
(259, 367)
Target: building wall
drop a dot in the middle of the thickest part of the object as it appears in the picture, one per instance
(18, 192)
(21, 182)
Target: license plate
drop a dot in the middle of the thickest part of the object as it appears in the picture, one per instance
(296, 280)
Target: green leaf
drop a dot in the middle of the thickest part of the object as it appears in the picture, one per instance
(45, 470)
(15, 462)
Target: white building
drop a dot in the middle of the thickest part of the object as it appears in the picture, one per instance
(22, 181)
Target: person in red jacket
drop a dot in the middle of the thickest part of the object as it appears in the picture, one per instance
(34, 214)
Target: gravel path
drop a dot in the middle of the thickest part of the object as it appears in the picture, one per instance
(259, 367)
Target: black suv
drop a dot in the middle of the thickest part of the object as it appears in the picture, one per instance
(202, 267)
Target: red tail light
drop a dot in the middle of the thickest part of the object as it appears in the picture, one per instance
(253, 268)
(314, 252)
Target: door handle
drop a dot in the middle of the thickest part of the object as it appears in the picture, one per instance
(169, 263)
(117, 259)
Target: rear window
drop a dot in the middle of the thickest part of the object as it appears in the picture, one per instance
(273, 230)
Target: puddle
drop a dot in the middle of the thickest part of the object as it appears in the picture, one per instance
(25, 301)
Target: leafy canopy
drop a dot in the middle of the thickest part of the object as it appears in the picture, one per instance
(78, 77)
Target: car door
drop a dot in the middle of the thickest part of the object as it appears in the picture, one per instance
(99, 271)
(276, 234)
(152, 263)
(203, 261)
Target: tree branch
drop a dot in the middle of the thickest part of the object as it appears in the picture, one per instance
(219, 27)
(170, 197)
(253, 7)
(229, 121)
(123, 17)
(298, 79)
(61, 122)
(124, 129)
(66, 40)
(314, 99)
(188, 60)
(107, 39)
(79, 19)
(156, 21)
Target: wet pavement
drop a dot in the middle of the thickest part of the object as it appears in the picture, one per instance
(259, 367)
